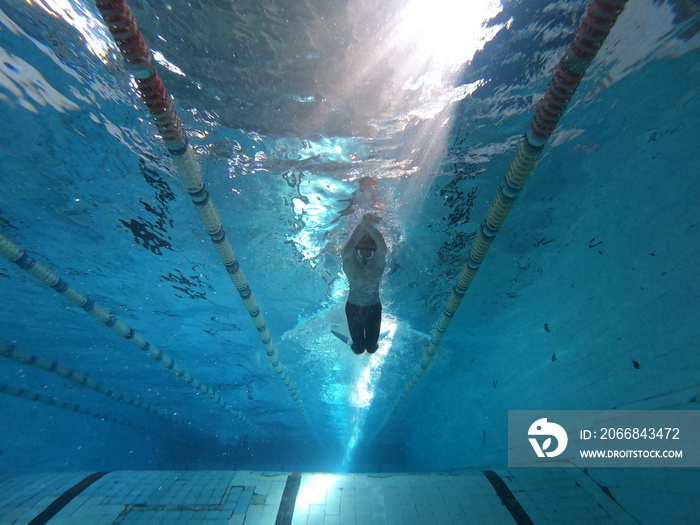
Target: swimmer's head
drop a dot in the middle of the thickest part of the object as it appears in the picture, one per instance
(365, 249)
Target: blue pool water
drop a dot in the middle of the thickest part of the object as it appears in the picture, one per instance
(588, 298)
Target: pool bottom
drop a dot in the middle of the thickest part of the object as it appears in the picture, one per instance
(279, 498)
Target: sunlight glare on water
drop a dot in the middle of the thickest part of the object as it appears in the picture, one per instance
(92, 29)
(449, 32)
(315, 490)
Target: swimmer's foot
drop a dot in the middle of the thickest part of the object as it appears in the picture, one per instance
(372, 350)
(357, 349)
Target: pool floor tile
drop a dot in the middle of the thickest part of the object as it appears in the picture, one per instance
(265, 498)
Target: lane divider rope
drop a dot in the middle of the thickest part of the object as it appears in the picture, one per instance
(23, 393)
(122, 25)
(17, 255)
(10, 351)
(598, 20)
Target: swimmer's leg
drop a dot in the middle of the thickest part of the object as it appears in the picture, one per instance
(356, 327)
(373, 327)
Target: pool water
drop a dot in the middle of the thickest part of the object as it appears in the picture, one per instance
(302, 117)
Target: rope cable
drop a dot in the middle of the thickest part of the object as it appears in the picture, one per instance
(10, 351)
(23, 393)
(122, 24)
(17, 255)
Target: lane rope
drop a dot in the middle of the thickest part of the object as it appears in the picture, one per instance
(29, 395)
(11, 351)
(123, 27)
(13, 253)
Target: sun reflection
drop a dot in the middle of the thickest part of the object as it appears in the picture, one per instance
(160, 58)
(329, 149)
(315, 490)
(400, 82)
(449, 32)
(319, 202)
(418, 54)
(77, 15)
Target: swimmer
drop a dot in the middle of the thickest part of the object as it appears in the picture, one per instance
(364, 259)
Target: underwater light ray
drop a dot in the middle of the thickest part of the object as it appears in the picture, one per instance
(400, 81)
(363, 394)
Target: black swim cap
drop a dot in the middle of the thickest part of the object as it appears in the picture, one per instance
(367, 243)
